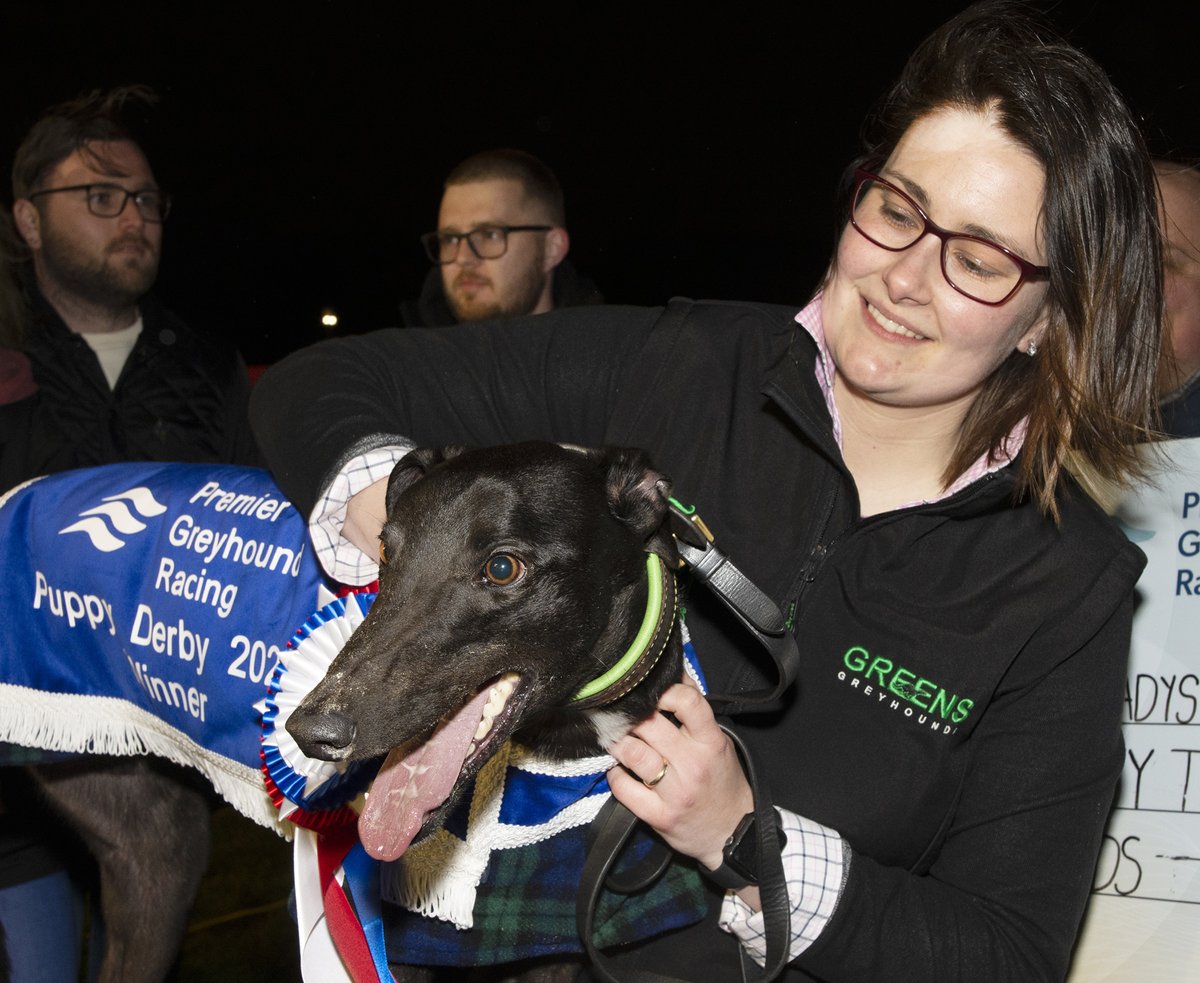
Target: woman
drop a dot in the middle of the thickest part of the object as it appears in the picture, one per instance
(899, 467)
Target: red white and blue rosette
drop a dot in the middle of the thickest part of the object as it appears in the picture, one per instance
(304, 789)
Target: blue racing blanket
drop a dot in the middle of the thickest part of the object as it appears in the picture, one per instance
(153, 609)
(144, 610)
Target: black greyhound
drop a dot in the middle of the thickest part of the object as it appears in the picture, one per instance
(525, 591)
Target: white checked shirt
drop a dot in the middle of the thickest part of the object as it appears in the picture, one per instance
(340, 558)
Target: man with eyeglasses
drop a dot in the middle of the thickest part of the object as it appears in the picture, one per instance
(500, 247)
(115, 376)
(119, 376)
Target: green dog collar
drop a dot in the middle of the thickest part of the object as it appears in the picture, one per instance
(647, 646)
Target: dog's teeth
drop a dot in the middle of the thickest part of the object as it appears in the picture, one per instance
(497, 697)
(501, 690)
(472, 749)
(485, 721)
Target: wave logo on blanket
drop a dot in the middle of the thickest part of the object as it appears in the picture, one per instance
(118, 515)
(160, 637)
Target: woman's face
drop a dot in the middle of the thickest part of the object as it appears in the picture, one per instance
(899, 334)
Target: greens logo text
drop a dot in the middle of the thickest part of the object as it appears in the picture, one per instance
(880, 677)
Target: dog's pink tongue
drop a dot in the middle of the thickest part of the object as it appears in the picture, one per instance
(411, 784)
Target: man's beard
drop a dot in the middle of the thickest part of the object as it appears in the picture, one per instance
(521, 298)
(113, 281)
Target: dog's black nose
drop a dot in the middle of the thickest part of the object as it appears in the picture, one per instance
(326, 736)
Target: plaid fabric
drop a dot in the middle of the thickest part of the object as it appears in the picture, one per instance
(525, 908)
(815, 863)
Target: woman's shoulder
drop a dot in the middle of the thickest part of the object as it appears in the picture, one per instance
(1086, 526)
(1084, 560)
(1087, 558)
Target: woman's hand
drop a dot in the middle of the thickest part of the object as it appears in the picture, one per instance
(366, 512)
(689, 785)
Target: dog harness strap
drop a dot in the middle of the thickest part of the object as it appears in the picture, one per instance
(772, 881)
(714, 568)
(648, 645)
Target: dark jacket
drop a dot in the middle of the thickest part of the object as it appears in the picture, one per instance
(180, 397)
(957, 715)
(431, 310)
(1181, 410)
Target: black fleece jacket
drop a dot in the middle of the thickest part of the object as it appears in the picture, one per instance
(957, 715)
(180, 397)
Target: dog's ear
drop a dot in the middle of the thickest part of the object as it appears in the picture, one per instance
(637, 496)
(415, 465)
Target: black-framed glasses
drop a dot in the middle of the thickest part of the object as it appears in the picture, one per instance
(109, 200)
(486, 241)
(976, 267)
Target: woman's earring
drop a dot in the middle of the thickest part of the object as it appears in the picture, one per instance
(1031, 349)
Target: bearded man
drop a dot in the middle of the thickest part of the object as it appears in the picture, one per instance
(500, 248)
(94, 371)
(119, 377)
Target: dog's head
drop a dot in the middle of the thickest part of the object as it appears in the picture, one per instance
(510, 578)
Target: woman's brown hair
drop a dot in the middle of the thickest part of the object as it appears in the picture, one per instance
(1089, 393)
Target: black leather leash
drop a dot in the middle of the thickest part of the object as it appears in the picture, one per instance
(758, 614)
(614, 824)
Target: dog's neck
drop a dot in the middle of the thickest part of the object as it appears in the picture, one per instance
(591, 724)
(647, 647)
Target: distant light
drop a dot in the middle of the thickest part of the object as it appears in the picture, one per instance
(329, 319)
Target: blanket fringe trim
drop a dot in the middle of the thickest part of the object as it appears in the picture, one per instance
(107, 725)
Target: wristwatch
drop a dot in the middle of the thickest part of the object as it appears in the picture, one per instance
(739, 864)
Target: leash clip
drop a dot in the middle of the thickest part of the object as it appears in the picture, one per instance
(753, 608)
(687, 527)
(709, 564)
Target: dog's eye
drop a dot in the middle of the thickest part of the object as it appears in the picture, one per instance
(503, 569)
(382, 554)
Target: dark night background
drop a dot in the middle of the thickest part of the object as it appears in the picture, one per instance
(306, 144)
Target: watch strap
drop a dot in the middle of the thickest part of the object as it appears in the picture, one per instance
(739, 857)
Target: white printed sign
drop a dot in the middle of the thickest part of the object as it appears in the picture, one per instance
(1143, 923)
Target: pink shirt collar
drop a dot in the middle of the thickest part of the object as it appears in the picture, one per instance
(810, 319)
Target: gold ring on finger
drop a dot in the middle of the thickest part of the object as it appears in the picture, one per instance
(662, 772)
